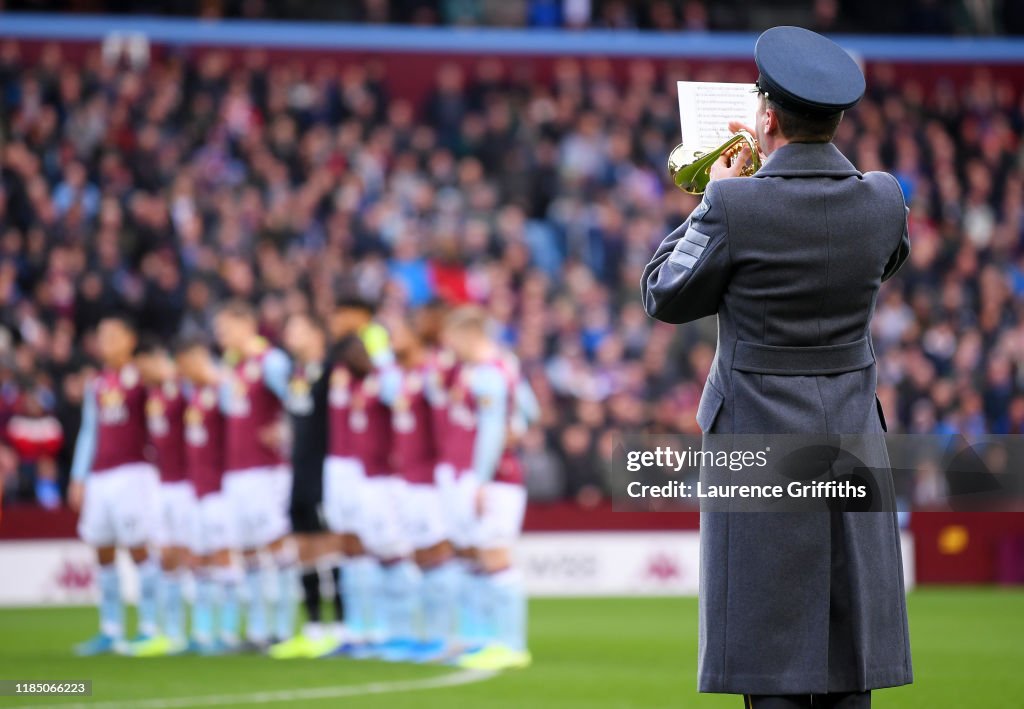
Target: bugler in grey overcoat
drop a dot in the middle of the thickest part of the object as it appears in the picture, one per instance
(791, 260)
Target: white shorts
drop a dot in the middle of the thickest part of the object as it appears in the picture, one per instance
(177, 514)
(458, 504)
(283, 475)
(421, 515)
(382, 532)
(258, 513)
(501, 521)
(212, 528)
(344, 485)
(121, 506)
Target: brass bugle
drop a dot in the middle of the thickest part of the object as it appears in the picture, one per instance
(691, 169)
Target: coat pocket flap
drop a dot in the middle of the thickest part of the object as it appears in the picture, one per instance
(707, 410)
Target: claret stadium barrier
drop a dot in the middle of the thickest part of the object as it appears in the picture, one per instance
(566, 551)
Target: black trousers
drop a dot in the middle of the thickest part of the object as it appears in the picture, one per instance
(838, 700)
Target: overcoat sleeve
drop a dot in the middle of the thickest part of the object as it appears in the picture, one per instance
(688, 274)
(902, 251)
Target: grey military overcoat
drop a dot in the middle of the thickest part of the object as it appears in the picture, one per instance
(791, 260)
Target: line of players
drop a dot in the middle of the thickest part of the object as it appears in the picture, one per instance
(402, 477)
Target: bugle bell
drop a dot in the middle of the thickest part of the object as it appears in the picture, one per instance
(691, 169)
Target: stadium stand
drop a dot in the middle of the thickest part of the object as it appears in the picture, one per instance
(164, 186)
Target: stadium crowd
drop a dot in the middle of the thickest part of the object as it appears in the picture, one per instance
(166, 188)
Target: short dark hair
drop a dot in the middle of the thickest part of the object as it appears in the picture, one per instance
(123, 318)
(354, 302)
(194, 341)
(801, 128)
(353, 356)
(150, 344)
(312, 320)
(238, 308)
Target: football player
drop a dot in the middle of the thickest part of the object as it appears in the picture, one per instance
(115, 485)
(486, 410)
(393, 576)
(344, 477)
(257, 481)
(165, 407)
(415, 458)
(218, 578)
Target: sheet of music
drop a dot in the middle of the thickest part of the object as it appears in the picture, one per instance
(706, 107)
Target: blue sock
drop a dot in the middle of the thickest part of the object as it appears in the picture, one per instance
(471, 625)
(506, 608)
(287, 582)
(174, 604)
(355, 624)
(483, 608)
(228, 585)
(359, 582)
(401, 595)
(440, 588)
(203, 607)
(256, 617)
(111, 608)
(149, 597)
(374, 603)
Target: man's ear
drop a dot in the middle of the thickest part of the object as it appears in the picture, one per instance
(771, 122)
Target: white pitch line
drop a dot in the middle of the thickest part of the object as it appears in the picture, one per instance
(453, 679)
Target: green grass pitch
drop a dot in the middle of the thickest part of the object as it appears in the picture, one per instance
(588, 654)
